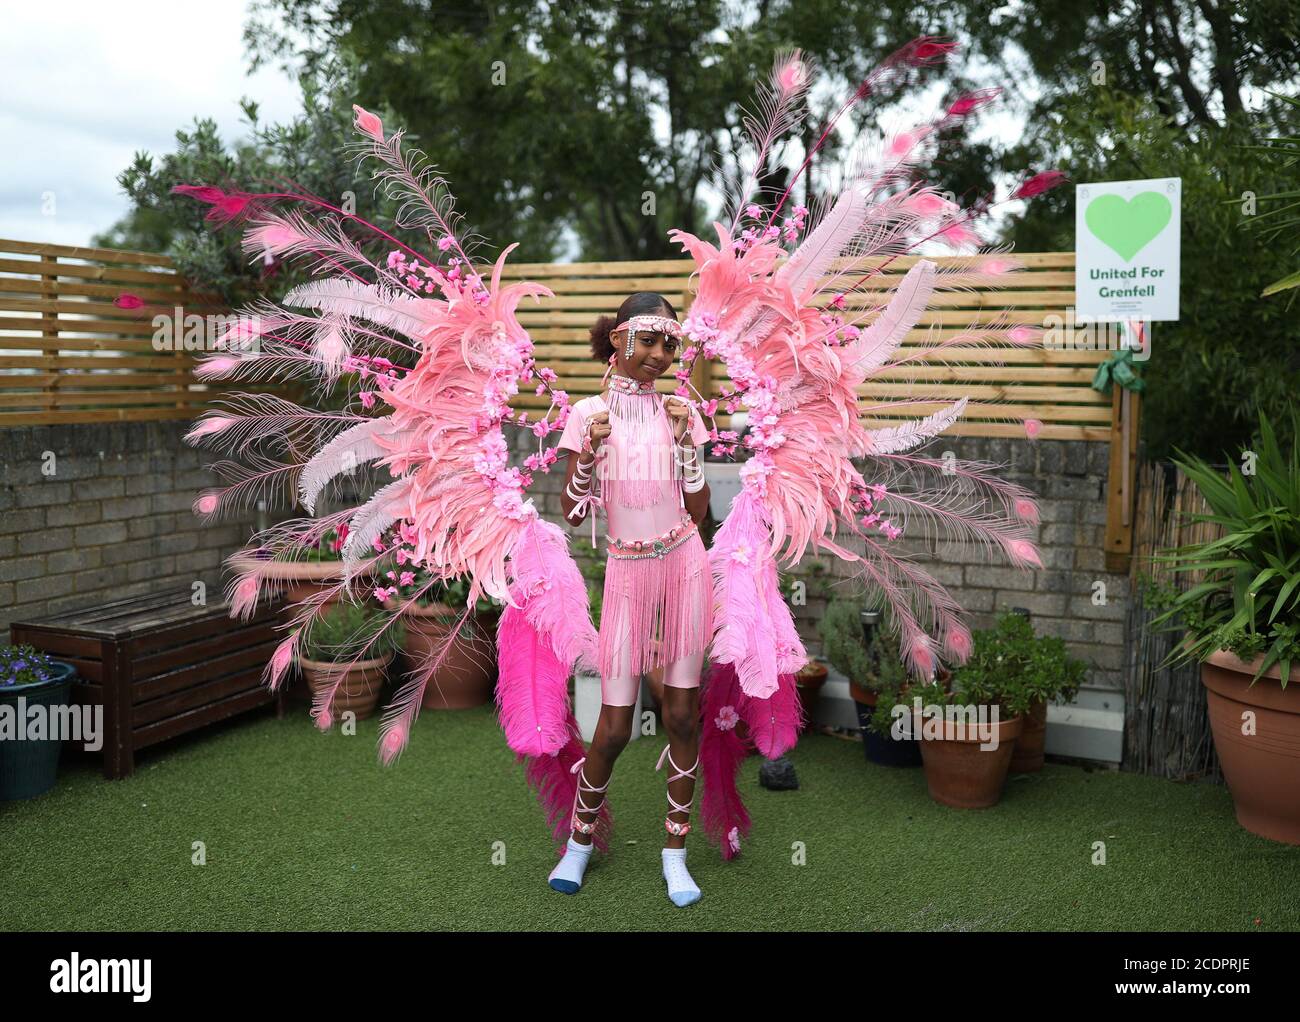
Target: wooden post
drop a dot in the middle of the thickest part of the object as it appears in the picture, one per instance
(50, 329)
(1120, 485)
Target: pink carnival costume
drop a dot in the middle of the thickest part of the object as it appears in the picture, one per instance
(657, 606)
(428, 354)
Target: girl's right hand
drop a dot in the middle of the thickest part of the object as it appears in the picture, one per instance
(598, 429)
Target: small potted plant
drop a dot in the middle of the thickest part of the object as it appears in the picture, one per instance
(29, 763)
(878, 682)
(347, 650)
(467, 675)
(966, 760)
(1025, 671)
(1242, 622)
(317, 567)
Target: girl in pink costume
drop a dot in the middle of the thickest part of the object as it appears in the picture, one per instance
(634, 454)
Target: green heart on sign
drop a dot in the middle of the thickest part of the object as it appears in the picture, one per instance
(1127, 225)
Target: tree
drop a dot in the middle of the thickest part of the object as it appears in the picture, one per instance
(599, 120)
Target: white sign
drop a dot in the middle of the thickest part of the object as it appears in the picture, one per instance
(1127, 246)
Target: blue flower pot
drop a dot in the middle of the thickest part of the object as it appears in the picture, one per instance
(28, 767)
(882, 750)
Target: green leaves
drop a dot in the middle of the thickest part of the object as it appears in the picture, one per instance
(349, 631)
(1016, 668)
(1247, 602)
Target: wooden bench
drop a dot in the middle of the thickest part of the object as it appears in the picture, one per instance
(159, 666)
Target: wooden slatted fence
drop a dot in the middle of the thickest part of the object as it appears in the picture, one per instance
(69, 355)
(1005, 384)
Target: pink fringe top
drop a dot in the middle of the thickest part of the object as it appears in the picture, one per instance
(618, 461)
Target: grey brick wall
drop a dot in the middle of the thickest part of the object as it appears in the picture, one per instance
(113, 520)
(1069, 478)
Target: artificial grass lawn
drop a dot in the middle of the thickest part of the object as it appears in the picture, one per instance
(305, 830)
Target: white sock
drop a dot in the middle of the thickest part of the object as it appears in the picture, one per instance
(682, 890)
(568, 872)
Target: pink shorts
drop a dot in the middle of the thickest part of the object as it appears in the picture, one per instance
(622, 688)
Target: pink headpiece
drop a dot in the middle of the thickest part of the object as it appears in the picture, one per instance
(654, 324)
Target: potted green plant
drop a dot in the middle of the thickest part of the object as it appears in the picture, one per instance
(877, 681)
(1242, 623)
(348, 650)
(467, 675)
(966, 759)
(890, 685)
(29, 763)
(312, 569)
(1024, 671)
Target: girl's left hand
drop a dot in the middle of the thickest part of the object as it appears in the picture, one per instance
(679, 415)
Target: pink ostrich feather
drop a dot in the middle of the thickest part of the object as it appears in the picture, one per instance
(555, 780)
(532, 688)
(775, 723)
(722, 751)
(744, 635)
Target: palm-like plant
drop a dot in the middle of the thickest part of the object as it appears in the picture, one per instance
(1249, 599)
(1283, 150)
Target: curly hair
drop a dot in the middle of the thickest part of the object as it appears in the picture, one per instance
(643, 303)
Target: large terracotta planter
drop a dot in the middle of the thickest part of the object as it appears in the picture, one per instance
(359, 689)
(958, 772)
(1028, 757)
(467, 676)
(1262, 769)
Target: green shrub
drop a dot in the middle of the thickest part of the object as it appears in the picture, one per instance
(1249, 601)
(1014, 668)
(352, 631)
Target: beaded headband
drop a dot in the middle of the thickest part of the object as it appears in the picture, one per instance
(648, 324)
(654, 324)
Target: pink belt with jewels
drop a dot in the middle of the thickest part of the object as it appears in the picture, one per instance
(637, 549)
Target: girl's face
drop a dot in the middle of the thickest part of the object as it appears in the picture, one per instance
(652, 356)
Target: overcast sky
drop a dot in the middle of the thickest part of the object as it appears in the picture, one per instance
(84, 84)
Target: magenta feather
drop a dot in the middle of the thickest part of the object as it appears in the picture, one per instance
(775, 723)
(722, 751)
(555, 781)
(532, 688)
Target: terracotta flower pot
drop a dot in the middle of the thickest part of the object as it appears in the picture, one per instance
(862, 694)
(467, 676)
(809, 682)
(1262, 769)
(1028, 756)
(961, 774)
(359, 689)
(303, 577)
